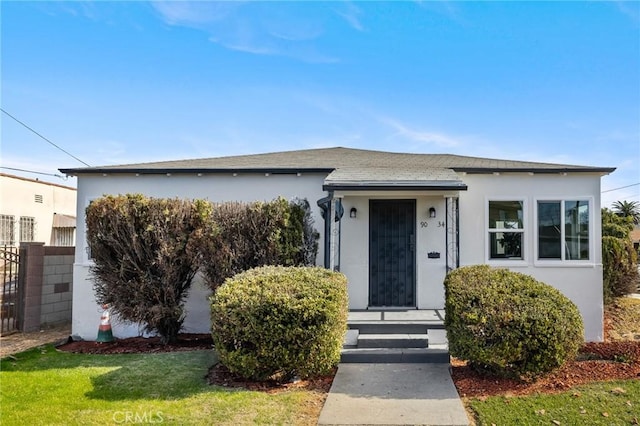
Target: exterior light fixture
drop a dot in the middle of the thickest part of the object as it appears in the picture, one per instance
(353, 213)
(432, 212)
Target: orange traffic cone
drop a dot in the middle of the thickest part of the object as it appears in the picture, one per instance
(105, 334)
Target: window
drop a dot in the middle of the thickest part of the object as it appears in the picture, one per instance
(506, 229)
(27, 229)
(38, 198)
(563, 230)
(7, 226)
(63, 237)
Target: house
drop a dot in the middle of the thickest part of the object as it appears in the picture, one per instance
(393, 223)
(32, 210)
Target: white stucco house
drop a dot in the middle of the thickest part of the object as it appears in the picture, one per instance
(393, 223)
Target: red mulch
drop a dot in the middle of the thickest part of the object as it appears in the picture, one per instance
(133, 345)
(596, 362)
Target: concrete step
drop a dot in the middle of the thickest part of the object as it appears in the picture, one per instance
(395, 355)
(394, 327)
(393, 341)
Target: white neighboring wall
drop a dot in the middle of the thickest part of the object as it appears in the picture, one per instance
(214, 187)
(29, 198)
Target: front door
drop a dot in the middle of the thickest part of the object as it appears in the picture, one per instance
(392, 259)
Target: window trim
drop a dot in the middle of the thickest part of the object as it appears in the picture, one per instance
(87, 260)
(562, 262)
(525, 231)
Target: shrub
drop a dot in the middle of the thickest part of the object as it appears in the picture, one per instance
(619, 259)
(277, 322)
(620, 270)
(241, 236)
(509, 323)
(145, 257)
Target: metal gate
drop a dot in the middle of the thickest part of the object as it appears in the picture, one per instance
(9, 300)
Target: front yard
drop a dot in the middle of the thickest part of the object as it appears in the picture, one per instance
(46, 386)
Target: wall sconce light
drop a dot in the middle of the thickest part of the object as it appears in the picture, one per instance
(432, 212)
(353, 213)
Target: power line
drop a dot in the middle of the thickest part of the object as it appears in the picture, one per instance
(33, 171)
(622, 187)
(61, 149)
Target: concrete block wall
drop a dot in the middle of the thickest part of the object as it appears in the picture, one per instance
(57, 285)
(46, 285)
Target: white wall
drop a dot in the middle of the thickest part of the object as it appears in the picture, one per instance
(17, 198)
(86, 312)
(581, 282)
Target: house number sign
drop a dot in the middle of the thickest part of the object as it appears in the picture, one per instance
(424, 224)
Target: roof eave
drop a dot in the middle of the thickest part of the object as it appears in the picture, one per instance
(392, 187)
(553, 170)
(195, 170)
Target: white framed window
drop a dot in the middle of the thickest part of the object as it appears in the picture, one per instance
(7, 230)
(27, 229)
(564, 231)
(506, 230)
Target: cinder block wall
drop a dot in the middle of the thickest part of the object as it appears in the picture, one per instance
(46, 281)
(57, 285)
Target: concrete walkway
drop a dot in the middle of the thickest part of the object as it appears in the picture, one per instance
(393, 394)
(19, 342)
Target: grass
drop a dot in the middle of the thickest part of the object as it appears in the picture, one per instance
(605, 403)
(624, 313)
(45, 386)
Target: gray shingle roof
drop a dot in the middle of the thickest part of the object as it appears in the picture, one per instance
(357, 178)
(328, 159)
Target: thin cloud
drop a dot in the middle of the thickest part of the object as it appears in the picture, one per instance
(422, 136)
(629, 9)
(254, 27)
(352, 16)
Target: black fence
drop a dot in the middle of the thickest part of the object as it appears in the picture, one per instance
(9, 299)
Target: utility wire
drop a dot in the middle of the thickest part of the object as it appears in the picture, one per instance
(33, 171)
(23, 124)
(622, 187)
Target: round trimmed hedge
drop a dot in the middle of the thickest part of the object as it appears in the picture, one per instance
(279, 322)
(509, 323)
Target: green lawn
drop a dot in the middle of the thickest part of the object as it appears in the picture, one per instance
(604, 403)
(45, 386)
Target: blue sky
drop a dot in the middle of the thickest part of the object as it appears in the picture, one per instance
(126, 82)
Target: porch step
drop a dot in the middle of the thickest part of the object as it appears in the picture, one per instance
(395, 355)
(428, 346)
(394, 327)
(393, 341)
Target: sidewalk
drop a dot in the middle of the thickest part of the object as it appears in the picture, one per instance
(393, 394)
(19, 342)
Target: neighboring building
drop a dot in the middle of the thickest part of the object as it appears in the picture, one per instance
(401, 221)
(635, 237)
(32, 210)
